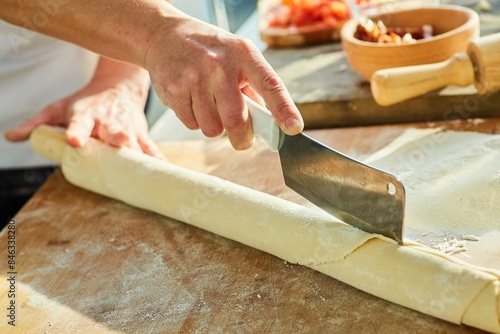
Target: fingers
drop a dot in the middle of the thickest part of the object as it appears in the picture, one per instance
(51, 115)
(234, 117)
(205, 111)
(79, 129)
(267, 83)
(150, 148)
(205, 87)
(111, 131)
(22, 132)
(184, 112)
(259, 82)
(120, 138)
(179, 100)
(113, 124)
(118, 128)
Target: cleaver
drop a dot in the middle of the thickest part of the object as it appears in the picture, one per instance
(357, 194)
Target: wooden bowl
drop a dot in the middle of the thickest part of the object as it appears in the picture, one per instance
(454, 27)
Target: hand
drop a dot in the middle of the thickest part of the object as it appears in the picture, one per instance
(197, 69)
(110, 108)
(200, 71)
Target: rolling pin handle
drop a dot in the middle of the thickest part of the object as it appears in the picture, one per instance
(263, 124)
(485, 55)
(394, 85)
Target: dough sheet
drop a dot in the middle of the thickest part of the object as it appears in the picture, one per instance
(412, 275)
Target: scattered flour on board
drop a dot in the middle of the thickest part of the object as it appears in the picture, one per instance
(452, 182)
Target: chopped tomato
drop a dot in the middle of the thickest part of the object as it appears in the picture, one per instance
(299, 13)
(339, 9)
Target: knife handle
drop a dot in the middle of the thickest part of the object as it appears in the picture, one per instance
(263, 124)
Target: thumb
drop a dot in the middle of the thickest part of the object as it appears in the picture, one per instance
(23, 131)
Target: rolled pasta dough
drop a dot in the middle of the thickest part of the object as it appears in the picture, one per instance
(411, 275)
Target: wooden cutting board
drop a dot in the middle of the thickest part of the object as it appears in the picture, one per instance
(294, 36)
(330, 94)
(89, 264)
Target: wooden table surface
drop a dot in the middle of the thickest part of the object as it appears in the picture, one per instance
(89, 264)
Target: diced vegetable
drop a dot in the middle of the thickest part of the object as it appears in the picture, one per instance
(300, 13)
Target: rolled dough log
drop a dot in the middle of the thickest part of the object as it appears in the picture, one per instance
(412, 275)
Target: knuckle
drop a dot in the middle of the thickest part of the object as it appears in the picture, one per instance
(121, 139)
(271, 82)
(192, 76)
(283, 109)
(82, 123)
(113, 130)
(214, 60)
(245, 44)
(235, 123)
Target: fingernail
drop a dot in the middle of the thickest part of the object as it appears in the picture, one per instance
(293, 125)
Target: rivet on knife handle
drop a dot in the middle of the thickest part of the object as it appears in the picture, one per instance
(263, 124)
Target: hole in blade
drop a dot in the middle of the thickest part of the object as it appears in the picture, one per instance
(391, 188)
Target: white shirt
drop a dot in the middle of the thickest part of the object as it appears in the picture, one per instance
(35, 70)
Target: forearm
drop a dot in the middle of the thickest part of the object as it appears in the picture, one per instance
(124, 28)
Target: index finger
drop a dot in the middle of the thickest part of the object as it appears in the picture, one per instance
(268, 84)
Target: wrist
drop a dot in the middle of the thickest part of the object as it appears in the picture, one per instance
(173, 30)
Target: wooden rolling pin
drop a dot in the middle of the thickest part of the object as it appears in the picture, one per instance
(479, 66)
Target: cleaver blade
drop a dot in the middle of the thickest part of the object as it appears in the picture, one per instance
(356, 193)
